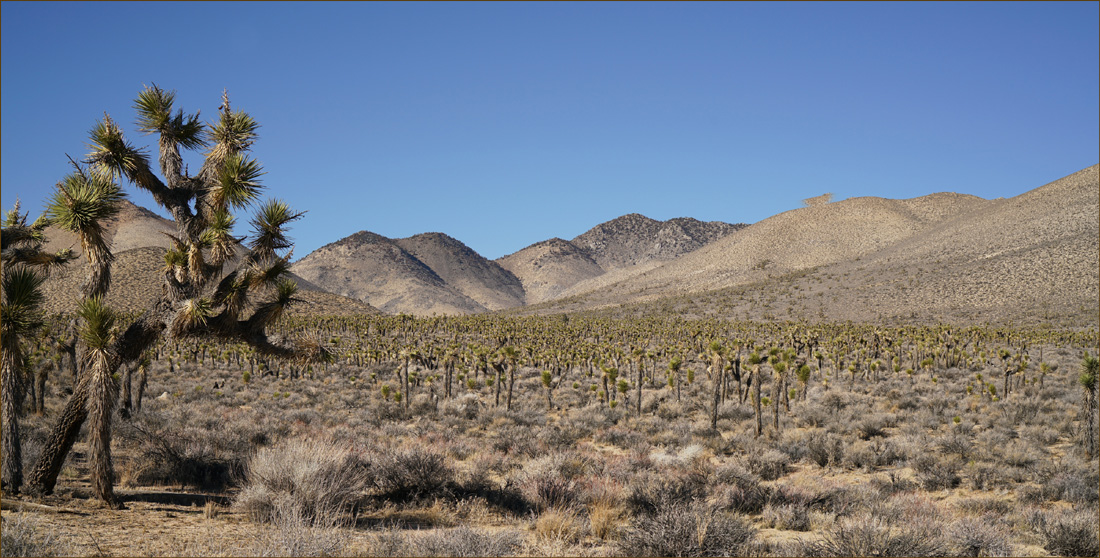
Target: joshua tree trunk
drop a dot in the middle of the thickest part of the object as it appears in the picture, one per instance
(638, 406)
(405, 382)
(44, 475)
(717, 396)
(786, 395)
(140, 388)
(103, 394)
(776, 388)
(40, 389)
(127, 402)
(737, 376)
(1090, 424)
(12, 448)
(497, 381)
(511, 383)
(756, 399)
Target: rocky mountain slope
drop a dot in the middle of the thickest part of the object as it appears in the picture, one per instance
(609, 251)
(636, 239)
(546, 269)
(425, 274)
(483, 281)
(432, 273)
(1031, 259)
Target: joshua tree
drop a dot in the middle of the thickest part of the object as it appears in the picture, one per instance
(754, 361)
(1090, 370)
(674, 373)
(803, 374)
(716, 353)
(549, 384)
(512, 356)
(780, 368)
(21, 259)
(215, 285)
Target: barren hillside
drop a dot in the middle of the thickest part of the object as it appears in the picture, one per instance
(793, 240)
(548, 268)
(463, 269)
(608, 253)
(945, 257)
(374, 269)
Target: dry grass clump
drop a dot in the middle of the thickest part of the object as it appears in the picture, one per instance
(22, 534)
(606, 520)
(562, 525)
(311, 479)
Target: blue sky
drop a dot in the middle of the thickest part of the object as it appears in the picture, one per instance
(506, 124)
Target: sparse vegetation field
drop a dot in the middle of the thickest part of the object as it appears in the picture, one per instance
(583, 435)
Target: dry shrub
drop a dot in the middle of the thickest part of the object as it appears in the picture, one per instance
(913, 510)
(770, 465)
(981, 505)
(294, 533)
(602, 490)
(687, 530)
(790, 517)
(823, 447)
(1069, 532)
(934, 473)
(403, 475)
(175, 448)
(303, 477)
(866, 535)
(1071, 481)
(668, 487)
(736, 489)
(974, 537)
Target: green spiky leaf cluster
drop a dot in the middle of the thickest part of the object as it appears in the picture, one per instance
(22, 306)
(99, 319)
(111, 156)
(154, 110)
(1090, 372)
(83, 202)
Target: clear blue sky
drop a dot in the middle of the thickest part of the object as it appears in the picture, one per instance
(506, 124)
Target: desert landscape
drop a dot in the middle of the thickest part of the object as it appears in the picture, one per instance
(860, 377)
(594, 279)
